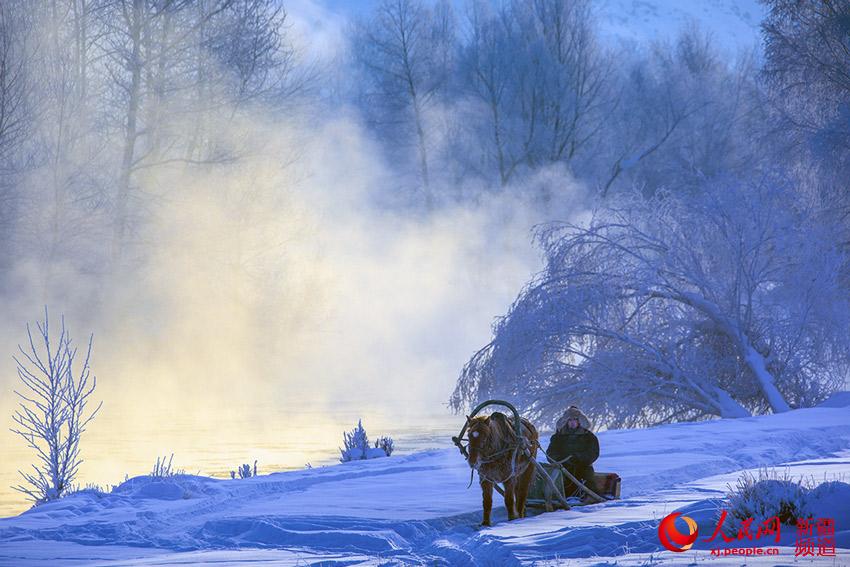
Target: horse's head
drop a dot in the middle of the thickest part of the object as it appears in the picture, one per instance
(479, 431)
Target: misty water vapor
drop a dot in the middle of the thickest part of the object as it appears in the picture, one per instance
(279, 278)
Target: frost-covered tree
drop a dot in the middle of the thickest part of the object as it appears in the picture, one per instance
(806, 62)
(59, 182)
(805, 71)
(403, 54)
(53, 412)
(562, 82)
(536, 85)
(244, 471)
(15, 119)
(355, 444)
(683, 113)
(486, 68)
(678, 307)
(172, 67)
(95, 93)
(15, 86)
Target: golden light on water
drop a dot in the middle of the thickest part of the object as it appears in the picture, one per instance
(278, 439)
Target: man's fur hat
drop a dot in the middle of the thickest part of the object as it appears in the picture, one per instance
(573, 411)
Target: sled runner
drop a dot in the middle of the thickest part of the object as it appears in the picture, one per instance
(547, 487)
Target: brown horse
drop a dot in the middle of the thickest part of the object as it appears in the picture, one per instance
(493, 453)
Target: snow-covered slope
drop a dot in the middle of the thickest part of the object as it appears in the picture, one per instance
(416, 509)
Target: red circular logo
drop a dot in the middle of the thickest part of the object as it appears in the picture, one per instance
(672, 538)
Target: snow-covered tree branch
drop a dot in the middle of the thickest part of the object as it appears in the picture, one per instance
(722, 303)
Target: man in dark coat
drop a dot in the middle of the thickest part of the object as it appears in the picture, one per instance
(575, 447)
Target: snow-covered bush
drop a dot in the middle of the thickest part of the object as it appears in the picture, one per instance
(52, 414)
(245, 471)
(357, 447)
(385, 443)
(764, 496)
(355, 444)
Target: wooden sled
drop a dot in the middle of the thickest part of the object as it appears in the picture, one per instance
(607, 488)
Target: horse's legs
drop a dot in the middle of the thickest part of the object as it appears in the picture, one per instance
(487, 495)
(523, 485)
(510, 487)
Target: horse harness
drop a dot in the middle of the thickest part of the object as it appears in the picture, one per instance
(519, 444)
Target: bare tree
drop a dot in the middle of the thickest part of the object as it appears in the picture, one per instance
(14, 86)
(487, 68)
(15, 116)
(806, 66)
(563, 84)
(178, 73)
(684, 113)
(52, 415)
(59, 187)
(538, 82)
(807, 72)
(403, 52)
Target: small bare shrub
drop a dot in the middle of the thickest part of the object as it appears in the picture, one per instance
(385, 443)
(245, 471)
(163, 468)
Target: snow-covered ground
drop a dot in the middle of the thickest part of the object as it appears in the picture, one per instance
(416, 509)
